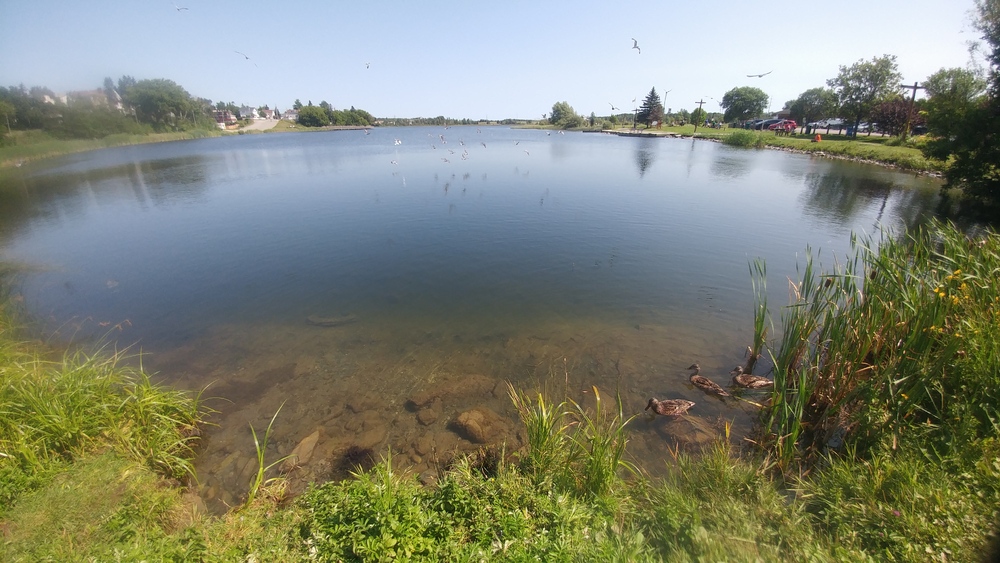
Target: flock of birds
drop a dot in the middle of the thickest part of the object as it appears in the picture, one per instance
(443, 141)
(677, 407)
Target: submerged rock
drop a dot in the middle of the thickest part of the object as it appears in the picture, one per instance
(465, 387)
(302, 453)
(482, 426)
(429, 415)
(331, 321)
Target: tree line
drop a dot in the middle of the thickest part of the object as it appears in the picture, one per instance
(135, 107)
(324, 114)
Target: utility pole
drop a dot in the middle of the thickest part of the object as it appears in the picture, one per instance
(700, 102)
(909, 110)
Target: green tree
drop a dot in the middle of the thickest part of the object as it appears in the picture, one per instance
(698, 116)
(163, 104)
(743, 103)
(297, 105)
(564, 116)
(951, 94)
(863, 85)
(813, 104)
(313, 116)
(893, 115)
(110, 92)
(651, 109)
(8, 111)
(973, 146)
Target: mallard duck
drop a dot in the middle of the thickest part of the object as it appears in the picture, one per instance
(749, 381)
(669, 407)
(706, 384)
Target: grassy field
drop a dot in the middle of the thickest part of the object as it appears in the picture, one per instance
(880, 443)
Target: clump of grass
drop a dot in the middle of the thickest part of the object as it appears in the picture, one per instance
(579, 449)
(260, 445)
(744, 138)
(55, 411)
(62, 409)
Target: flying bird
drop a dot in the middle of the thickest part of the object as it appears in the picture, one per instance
(526, 152)
(245, 57)
(368, 65)
(613, 108)
(759, 75)
(635, 45)
(179, 8)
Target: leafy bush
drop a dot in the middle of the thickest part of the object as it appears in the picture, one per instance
(744, 138)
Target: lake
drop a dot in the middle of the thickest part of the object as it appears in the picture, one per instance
(450, 260)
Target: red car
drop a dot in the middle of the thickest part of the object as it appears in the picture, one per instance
(786, 125)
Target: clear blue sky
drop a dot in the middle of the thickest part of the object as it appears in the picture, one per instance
(474, 59)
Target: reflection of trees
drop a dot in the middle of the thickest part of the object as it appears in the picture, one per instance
(838, 197)
(67, 193)
(645, 156)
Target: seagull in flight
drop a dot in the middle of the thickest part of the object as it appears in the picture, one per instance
(759, 75)
(635, 45)
(613, 108)
(245, 56)
(179, 8)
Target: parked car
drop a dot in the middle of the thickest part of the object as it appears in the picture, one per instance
(766, 124)
(786, 125)
(828, 123)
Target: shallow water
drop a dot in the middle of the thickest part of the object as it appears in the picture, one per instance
(556, 262)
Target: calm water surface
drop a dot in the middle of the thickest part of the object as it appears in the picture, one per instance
(466, 258)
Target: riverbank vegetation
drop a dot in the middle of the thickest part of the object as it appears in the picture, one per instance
(879, 442)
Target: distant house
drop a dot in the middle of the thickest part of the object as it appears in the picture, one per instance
(224, 119)
(93, 98)
(290, 115)
(268, 113)
(247, 112)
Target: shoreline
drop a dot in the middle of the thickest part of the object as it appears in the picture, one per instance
(63, 147)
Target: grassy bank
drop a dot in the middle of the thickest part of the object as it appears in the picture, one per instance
(25, 146)
(879, 443)
(873, 149)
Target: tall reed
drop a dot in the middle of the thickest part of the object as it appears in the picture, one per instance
(883, 342)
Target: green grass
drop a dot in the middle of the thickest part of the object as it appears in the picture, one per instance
(876, 149)
(26, 146)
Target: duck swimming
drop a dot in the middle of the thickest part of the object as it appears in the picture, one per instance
(669, 407)
(706, 384)
(749, 381)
